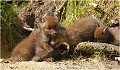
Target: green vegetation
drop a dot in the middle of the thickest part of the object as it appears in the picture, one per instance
(10, 25)
(106, 10)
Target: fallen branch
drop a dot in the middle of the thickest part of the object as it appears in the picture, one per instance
(99, 46)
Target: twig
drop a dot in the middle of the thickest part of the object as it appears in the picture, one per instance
(58, 9)
(28, 29)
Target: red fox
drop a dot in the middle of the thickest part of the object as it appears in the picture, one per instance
(24, 51)
(80, 31)
(108, 35)
(42, 49)
(34, 45)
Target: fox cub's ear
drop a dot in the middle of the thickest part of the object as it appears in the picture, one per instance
(50, 22)
(105, 30)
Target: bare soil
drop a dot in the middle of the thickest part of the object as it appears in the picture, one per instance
(83, 64)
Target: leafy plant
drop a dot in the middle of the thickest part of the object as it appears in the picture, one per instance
(9, 24)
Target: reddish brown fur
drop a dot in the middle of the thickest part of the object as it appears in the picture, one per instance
(102, 36)
(50, 22)
(24, 51)
(82, 30)
(42, 49)
(50, 25)
(107, 35)
(35, 47)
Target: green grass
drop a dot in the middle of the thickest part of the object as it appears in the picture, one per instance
(75, 10)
